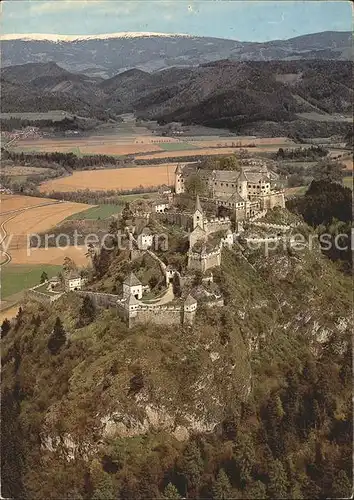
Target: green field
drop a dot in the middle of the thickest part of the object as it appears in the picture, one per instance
(176, 146)
(15, 278)
(99, 212)
(348, 181)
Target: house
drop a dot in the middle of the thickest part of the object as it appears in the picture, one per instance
(145, 239)
(73, 281)
(161, 206)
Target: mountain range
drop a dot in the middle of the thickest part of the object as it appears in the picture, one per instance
(292, 95)
(107, 55)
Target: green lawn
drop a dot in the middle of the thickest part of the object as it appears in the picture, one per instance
(17, 277)
(176, 146)
(101, 211)
(139, 196)
(348, 181)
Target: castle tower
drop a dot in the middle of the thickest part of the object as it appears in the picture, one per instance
(242, 185)
(132, 286)
(189, 310)
(179, 181)
(198, 216)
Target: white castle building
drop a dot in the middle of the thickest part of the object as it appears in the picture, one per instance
(245, 192)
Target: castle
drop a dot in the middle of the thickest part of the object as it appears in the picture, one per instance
(246, 195)
(243, 192)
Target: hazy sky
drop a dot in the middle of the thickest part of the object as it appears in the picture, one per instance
(252, 20)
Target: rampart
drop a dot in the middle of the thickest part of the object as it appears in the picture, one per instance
(41, 297)
(100, 299)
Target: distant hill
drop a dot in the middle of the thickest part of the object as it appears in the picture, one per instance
(312, 98)
(106, 55)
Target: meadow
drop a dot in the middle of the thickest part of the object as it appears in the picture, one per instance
(15, 278)
(99, 212)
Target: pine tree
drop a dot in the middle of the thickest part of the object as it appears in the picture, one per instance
(5, 328)
(245, 457)
(176, 284)
(278, 481)
(44, 277)
(87, 312)
(341, 487)
(171, 492)
(57, 338)
(222, 486)
(256, 491)
(191, 465)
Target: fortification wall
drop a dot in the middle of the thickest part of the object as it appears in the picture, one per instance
(273, 200)
(280, 227)
(202, 263)
(215, 225)
(100, 299)
(158, 316)
(42, 297)
(180, 219)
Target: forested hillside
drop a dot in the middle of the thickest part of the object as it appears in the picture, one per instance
(311, 98)
(253, 401)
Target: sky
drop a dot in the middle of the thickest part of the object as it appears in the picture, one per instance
(239, 20)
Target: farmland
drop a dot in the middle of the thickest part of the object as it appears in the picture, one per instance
(55, 115)
(20, 217)
(120, 179)
(22, 171)
(99, 212)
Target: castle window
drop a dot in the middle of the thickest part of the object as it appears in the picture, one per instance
(221, 184)
(233, 185)
(227, 185)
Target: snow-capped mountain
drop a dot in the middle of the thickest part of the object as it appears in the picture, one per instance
(108, 54)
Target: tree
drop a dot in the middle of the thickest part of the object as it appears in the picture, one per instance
(195, 185)
(222, 486)
(113, 226)
(278, 481)
(5, 328)
(256, 491)
(57, 338)
(176, 284)
(69, 264)
(191, 465)
(171, 492)
(245, 457)
(87, 312)
(341, 487)
(198, 278)
(229, 163)
(328, 170)
(44, 277)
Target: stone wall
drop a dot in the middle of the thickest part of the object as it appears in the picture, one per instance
(100, 299)
(201, 263)
(42, 297)
(273, 200)
(182, 220)
(160, 315)
(215, 225)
